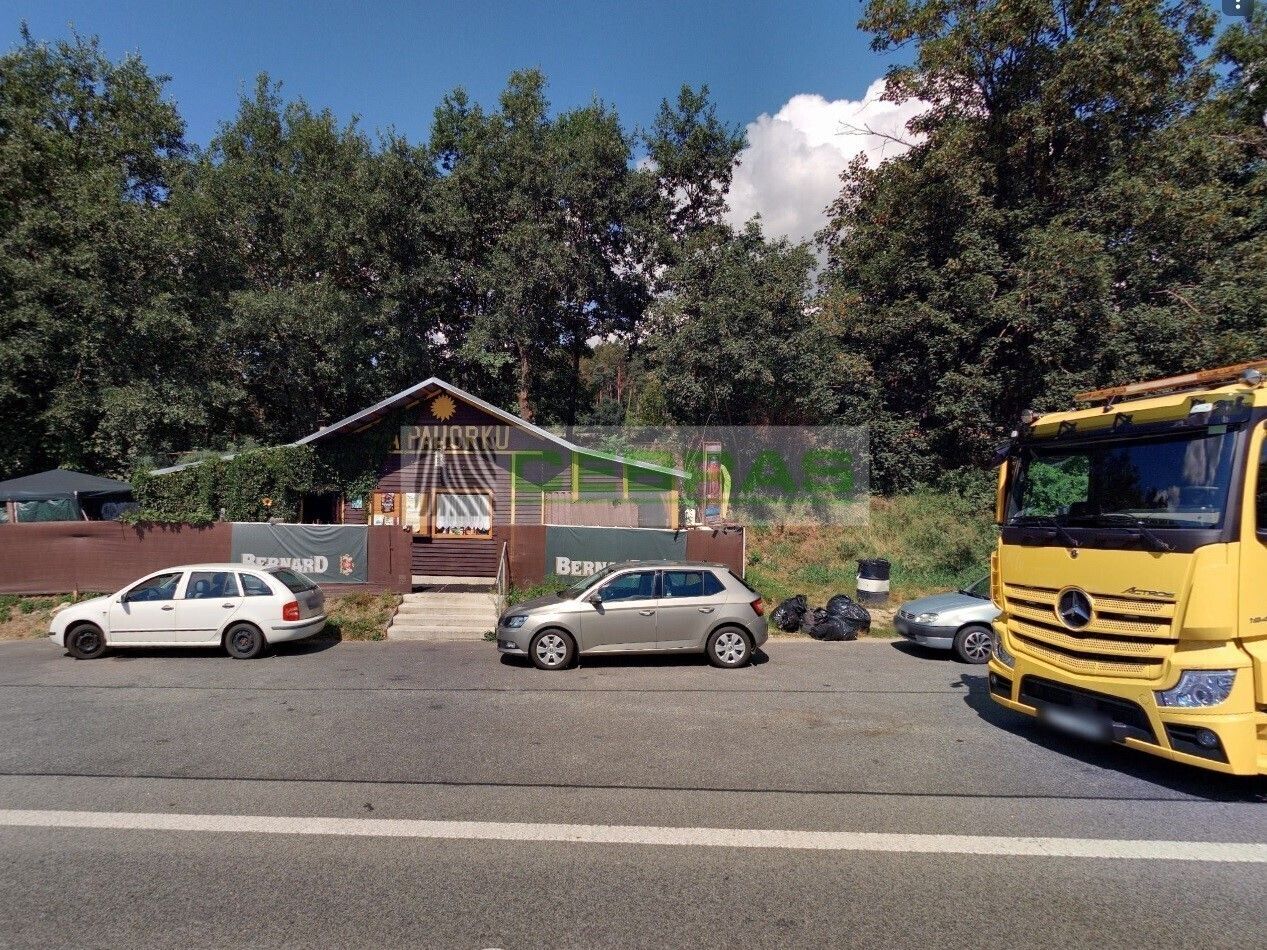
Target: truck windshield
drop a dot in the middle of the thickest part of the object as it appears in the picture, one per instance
(1173, 482)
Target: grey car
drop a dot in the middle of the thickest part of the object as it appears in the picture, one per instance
(640, 607)
(958, 621)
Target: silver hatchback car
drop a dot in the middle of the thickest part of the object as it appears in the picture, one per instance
(637, 607)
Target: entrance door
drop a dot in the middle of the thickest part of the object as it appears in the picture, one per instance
(625, 618)
(146, 612)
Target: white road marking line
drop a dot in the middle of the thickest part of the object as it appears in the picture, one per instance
(1146, 850)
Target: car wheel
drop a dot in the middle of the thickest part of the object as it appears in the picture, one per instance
(729, 648)
(243, 641)
(973, 644)
(86, 642)
(552, 650)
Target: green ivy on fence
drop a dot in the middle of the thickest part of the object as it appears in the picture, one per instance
(254, 485)
(262, 483)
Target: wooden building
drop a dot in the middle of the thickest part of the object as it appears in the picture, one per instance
(461, 474)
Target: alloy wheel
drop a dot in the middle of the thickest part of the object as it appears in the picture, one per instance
(551, 649)
(731, 647)
(977, 645)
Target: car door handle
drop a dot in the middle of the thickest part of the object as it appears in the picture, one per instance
(646, 613)
(705, 610)
(168, 607)
(230, 604)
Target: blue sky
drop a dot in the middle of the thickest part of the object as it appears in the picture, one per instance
(391, 62)
(799, 76)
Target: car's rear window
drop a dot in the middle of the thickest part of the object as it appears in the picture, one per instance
(294, 581)
(254, 586)
(744, 582)
(683, 583)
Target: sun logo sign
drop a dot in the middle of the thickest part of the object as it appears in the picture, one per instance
(443, 408)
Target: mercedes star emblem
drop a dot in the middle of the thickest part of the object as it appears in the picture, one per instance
(1074, 609)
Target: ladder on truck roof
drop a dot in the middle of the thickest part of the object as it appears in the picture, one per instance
(1170, 384)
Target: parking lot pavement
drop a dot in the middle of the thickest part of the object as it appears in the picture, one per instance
(874, 738)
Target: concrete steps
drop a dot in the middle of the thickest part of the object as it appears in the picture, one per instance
(444, 615)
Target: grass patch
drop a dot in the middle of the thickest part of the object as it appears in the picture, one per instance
(934, 542)
(551, 585)
(25, 618)
(360, 616)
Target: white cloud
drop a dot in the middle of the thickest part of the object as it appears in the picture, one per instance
(790, 170)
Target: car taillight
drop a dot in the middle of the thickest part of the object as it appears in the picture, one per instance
(291, 611)
(758, 607)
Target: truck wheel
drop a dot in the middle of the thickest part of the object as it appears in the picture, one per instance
(974, 643)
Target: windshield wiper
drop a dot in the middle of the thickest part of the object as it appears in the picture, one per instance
(1059, 529)
(1141, 529)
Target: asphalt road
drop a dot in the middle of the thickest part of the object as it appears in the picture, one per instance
(859, 737)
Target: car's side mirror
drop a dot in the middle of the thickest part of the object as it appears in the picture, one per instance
(595, 598)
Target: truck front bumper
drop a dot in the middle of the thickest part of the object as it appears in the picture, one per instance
(1126, 712)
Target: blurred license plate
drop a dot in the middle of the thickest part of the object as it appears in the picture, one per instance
(1083, 725)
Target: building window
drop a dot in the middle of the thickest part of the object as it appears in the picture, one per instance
(463, 514)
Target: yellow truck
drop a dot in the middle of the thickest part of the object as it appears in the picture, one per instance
(1131, 569)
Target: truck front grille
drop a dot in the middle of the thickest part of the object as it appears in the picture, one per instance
(1127, 637)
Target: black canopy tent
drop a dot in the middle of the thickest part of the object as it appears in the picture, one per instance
(60, 495)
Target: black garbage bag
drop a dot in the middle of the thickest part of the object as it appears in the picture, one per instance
(811, 619)
(789, 614)
(832, 628)
(846, 608)
(855, 616)
(839, 603)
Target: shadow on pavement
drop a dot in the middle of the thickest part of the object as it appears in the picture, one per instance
(926, 653)
(632, 660)
(317, 644)
(1176, 776)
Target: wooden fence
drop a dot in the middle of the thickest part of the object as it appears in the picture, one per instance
(102, 556)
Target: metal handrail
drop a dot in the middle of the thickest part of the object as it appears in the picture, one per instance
(502, 582)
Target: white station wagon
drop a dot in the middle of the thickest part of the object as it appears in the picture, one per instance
(242, 609)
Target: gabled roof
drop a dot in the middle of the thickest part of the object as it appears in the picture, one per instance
(60, 483)
(371, 415)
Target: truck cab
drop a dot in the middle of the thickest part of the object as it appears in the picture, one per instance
(1131, 569)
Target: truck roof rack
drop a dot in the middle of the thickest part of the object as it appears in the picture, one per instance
(1170, 384)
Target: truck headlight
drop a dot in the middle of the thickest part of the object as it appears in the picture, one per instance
(1198, 688)
(515, 622)
(925, 618)
(1000, 652)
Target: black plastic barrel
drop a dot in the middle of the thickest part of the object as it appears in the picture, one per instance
(873, 580)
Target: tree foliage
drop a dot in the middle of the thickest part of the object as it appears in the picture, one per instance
(1083, 207)
(1083, 204)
